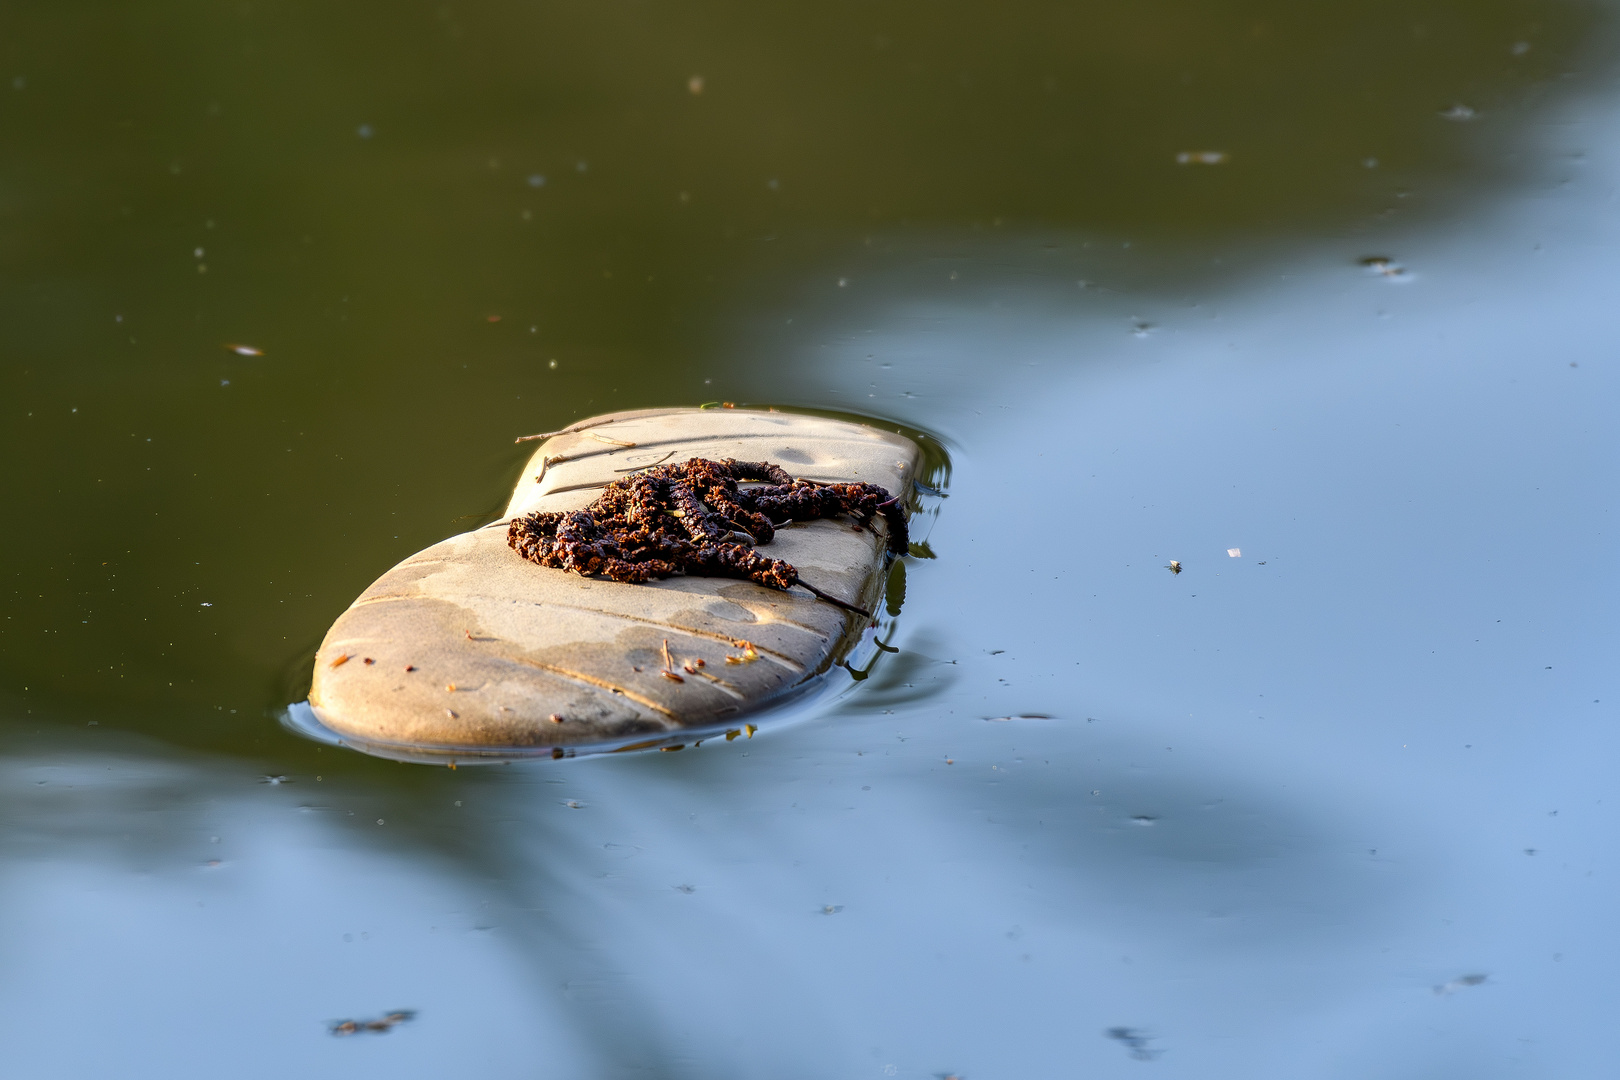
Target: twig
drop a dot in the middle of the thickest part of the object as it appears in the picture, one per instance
(833, 599)
(669, 665)
(569, 430)
(714, 679)
(548, 462)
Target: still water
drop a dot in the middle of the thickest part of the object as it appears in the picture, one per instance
(1316, 301)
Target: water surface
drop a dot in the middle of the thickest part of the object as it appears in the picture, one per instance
(1274, 816)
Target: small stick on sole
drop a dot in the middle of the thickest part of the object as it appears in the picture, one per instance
(669, 665)
(569, 430)
(833, 600)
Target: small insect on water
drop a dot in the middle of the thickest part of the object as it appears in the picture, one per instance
(1174, 566)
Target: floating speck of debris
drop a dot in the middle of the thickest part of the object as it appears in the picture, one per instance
(1234, 553)
(205, 603)
(1459, 113)
(365, 131)
(574, 804)
(694, 85)
(1202, 157)
(831, 909)
(381, 1026)
(684, 888)
(245, 350)
(1019, 716)
(537, 180)
(1135, 1041)
(1461, 982)
(1383, 266)
(1520, 48)
(1143, 820)
(274, 781)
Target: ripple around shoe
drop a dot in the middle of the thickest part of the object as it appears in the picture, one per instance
(466, 646)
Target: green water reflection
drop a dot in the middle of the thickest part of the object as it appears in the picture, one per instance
(446, 225)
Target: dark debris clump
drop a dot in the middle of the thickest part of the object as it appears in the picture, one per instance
(694, 517)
